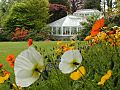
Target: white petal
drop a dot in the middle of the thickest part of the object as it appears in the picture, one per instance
(66, 68)
(22, 74)
(25, 78)
(24, 64)
(77, 56)
(37, 56)
(67, 56)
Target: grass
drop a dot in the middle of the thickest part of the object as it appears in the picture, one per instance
(15, 48)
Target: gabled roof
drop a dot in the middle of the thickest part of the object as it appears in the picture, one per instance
(69, 20)
(87, 11)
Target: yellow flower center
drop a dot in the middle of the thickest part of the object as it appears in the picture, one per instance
(73, 62)
(37, 69)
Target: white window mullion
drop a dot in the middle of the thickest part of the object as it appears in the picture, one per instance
(77, 30)
(56, 30)
(70, 31)
(61, 31)
(52, 30)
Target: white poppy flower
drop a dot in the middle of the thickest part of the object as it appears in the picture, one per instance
(70, 61)
(27, 67)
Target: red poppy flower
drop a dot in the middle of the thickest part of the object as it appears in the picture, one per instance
(30, 42)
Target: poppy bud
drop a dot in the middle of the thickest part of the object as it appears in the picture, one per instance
(1, 65)
(30, 42)
(87, 38)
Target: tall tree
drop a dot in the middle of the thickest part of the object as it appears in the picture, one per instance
(76, 4)
(29, 14)
(117, 6)
(109, 5)
(58, 9)
(63, 2)
(92, 4)
(5, 5)
(37, 10)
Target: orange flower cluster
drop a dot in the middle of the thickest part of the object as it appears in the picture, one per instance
(62, 47)
(30, 41)
(19, 34)
(4, 75)
(112, 36)
(11, 60)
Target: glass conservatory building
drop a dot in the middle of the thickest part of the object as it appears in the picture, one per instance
(87, 12)
(66, 26)
(70, 25)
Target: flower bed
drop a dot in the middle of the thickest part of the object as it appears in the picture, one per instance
(71, 65)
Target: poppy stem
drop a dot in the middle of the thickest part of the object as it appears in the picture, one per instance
(37, 70)
(56, 72)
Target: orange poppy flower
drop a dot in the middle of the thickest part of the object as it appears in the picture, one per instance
(6, 72)
(30, 41)
(87, 38)
(96, 27)
(11, 64)
(11, 60)
(1, 65)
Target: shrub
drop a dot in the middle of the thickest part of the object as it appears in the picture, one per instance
(28, 14)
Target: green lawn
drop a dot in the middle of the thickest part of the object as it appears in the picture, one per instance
(15, 48)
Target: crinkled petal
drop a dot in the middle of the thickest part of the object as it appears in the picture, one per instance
(24, 64)
(75, 75)
(37, 56)
(70, 55)
(66, 68)
(67, 56)
(77, 56)
(25, 78)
